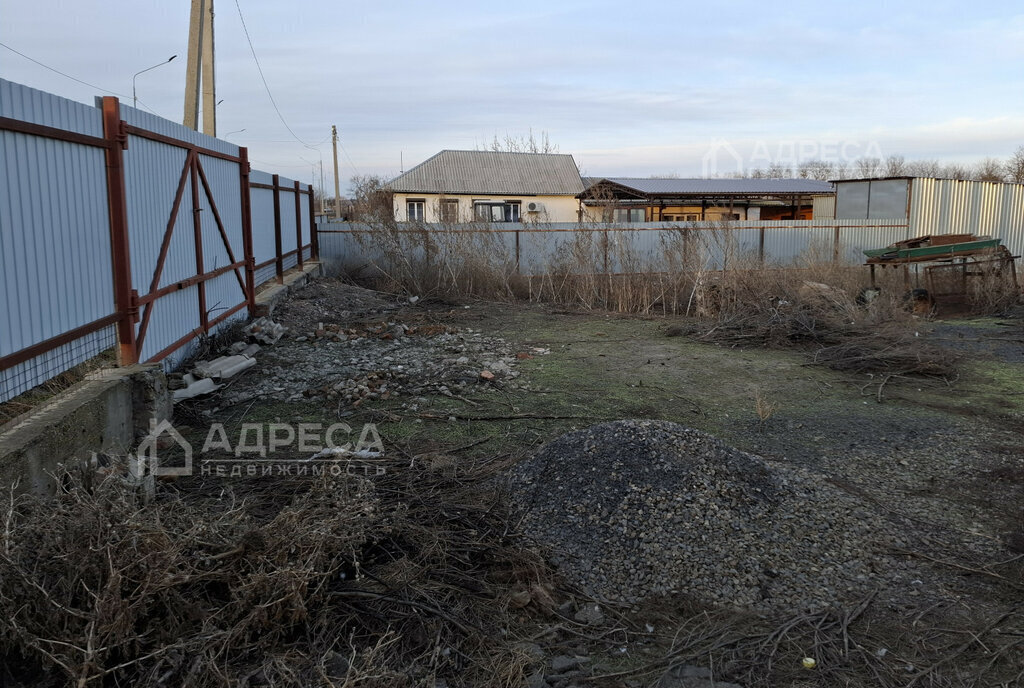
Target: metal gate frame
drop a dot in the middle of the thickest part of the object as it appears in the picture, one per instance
(127, 301)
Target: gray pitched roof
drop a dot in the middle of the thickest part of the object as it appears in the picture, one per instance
(488, 172)
(745, 187)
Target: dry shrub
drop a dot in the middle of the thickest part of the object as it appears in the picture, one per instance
(319, 581)
(439, 260)
(814, 306)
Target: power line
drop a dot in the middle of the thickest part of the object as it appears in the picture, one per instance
(265, 85)
(68, 76)
(57, 71)
(349, 158)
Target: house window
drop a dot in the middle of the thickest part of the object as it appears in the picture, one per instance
(630, 215)
(414, 209)
(489, 211)
(450, 210)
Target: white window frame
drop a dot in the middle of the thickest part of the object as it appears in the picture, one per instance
(415, 209)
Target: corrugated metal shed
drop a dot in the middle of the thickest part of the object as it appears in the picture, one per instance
(939, 206)
(489, 172)
(723, 187)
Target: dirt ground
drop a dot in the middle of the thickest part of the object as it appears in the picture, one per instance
(943, 455)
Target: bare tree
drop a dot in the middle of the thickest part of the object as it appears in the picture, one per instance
(523, 144)
(817, 169)
(778, 171)
(374, 201)
(924, 168)
(1015, 166)
(956, 171)
(868, 167)
(990, 170)
(895, 166)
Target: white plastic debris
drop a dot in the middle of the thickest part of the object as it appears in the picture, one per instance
(195, 388)
(223, 367)
(334, 452)
(241, 348)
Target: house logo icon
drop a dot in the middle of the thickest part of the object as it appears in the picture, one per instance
(720, 153)
(146, 459)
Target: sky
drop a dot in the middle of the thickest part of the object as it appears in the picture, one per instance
(629, 89)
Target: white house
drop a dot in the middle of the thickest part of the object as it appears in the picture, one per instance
(468, 186)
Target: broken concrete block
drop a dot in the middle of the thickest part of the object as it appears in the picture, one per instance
(264, 330)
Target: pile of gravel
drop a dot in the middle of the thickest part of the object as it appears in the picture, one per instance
(637, 509)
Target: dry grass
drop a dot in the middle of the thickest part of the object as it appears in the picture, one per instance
(327, 581)
(815, 309)
(442, 260)
(728, 294)
(765, 408)
(860, 646)
(24, 403)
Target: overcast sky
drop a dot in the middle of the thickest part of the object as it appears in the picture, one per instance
(629, 89)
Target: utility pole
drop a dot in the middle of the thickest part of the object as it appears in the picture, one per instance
(337, 185)
(209, 74)
(200, 77)
(323, 201)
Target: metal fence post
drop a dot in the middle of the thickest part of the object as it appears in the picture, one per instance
(277, 230)
(518, 271)
(117, 141)
(298, 224)
(247, 245)
(197, 233)
(314, 238)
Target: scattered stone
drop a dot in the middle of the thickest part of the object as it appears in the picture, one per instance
(689, 676)
(536, 680)
(563, 663)
(674, 331)
(590, 614)
(486, 375)
(264, 330)
(368, 362)
(519, 599)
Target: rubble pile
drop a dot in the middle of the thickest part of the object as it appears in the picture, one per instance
(639, 509)
(350, 364)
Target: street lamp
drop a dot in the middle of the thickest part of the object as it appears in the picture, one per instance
(237, 131)
(135, 99)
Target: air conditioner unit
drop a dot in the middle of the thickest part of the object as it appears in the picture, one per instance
(534, 207)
